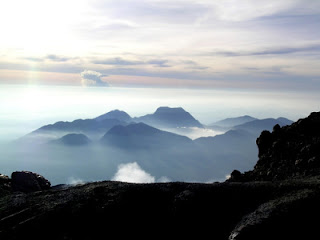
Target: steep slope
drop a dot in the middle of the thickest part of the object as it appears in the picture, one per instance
(289, 152)
(170, 118)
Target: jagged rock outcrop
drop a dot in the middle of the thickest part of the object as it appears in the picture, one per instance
(289, 152)
(26, 181)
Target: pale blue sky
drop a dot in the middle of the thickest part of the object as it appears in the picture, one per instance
(159, 43)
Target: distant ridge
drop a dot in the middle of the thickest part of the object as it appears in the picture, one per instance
(259, 125)
(163, 117)
(237, 146)
(73, 139)
(82, 125)
(230, 122)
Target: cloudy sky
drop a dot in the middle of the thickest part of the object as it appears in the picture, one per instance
(265, 44)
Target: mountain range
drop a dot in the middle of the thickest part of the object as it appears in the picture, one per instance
(278, 198)
(163, 117)
(116, 137)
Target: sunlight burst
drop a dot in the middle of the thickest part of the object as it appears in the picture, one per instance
(41, 24)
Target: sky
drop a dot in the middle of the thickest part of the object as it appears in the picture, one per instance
(215, 44)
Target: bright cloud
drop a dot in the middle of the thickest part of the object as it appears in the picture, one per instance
(92, 78)
(132, 172)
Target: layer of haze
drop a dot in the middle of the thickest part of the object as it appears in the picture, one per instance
(265, 44)
(26, 108)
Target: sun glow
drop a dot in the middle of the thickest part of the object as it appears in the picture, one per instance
(36, 25)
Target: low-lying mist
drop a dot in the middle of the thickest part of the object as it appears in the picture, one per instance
(95, 162)
(194, 132)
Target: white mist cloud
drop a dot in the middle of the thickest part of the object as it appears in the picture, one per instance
(75, 181)
(194, 132)
(92, 78)
(164, 179)
(132, 172)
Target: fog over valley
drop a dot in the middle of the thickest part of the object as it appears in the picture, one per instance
(160, 145)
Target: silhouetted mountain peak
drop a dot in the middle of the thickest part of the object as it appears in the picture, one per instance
(172, 112)
(166, 110)
(115, 114)
(73, 139)
(170, 117)
(142, 128)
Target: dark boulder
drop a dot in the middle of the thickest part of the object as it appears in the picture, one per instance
(236, 176)
(26, 181)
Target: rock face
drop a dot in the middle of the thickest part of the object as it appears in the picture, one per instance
(289, 152)
(28, 182)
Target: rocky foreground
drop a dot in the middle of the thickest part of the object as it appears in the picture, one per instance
(278, 199)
